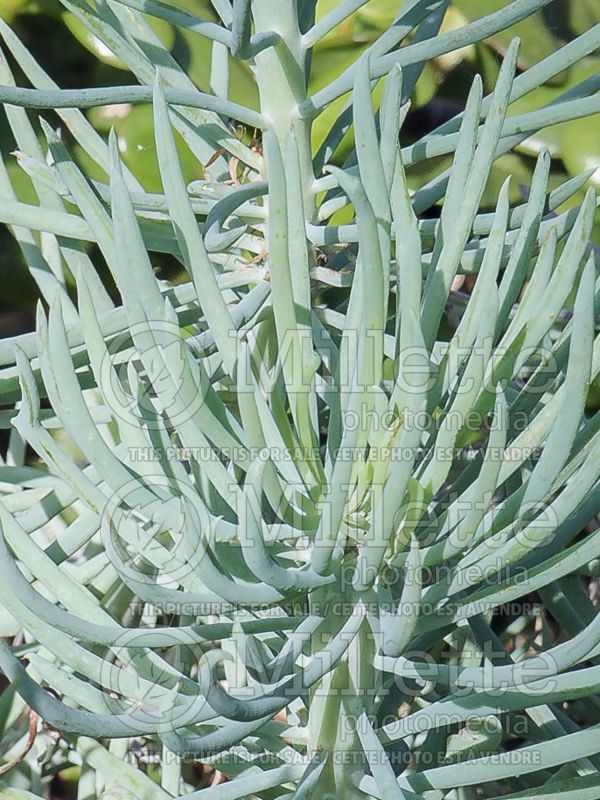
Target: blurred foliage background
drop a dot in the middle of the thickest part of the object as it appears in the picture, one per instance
(75, 58)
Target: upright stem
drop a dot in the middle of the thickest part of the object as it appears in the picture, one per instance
(281, 74)
(337, 702)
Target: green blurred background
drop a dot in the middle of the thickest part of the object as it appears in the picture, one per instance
(75, 58)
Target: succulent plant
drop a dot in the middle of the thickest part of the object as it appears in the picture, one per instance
(271, 512)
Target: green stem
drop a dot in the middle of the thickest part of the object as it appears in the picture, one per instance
(281, 74)
(338, 701)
